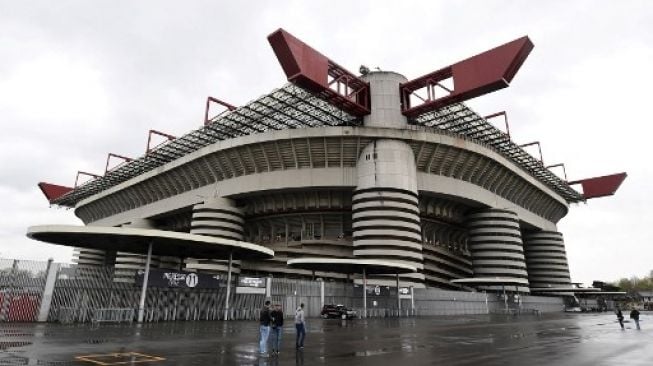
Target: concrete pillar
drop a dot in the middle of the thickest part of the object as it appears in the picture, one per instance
(48, 290)
(220, 218)
(546, 259)
(412, 298)
(128, 264)
(268, 288)
(385, 100)
(386, 220)
(321, 295)
(494, 241)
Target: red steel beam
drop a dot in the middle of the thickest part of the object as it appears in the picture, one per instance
(149, 139)
(110, 155)
(539, 148)
(210, 99)
(95, 176)
(562, 165)
(603, 186)
(505, 119)
(311, 70)
(478, 75)
(53, 191)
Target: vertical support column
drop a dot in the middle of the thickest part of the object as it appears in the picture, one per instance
(321, 294)
(546, 259)
(494, 241)
(412, 298)
(48, 290)
(226, 298)
(398, 296)
(128, 264)
(146, 277)
(364, 294)
(385, 208)
(219, 218)
(268, 288)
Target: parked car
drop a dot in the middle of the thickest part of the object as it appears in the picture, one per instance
(337, 311)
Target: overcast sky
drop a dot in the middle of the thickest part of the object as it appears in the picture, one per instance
(79, 79)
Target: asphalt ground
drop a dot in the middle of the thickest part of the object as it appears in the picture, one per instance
(549, 339)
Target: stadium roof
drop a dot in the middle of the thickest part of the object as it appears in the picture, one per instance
(292, 107)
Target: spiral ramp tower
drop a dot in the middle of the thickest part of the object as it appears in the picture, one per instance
(546, 260)
(496, 247)
(220, 218)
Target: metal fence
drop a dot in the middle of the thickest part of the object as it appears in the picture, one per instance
(91, 294)
(21, 288)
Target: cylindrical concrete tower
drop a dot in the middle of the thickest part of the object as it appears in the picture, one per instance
(546, 259)
(127, 263)
(220, 218)
(496, 246)
(385, 210)
(385, 100)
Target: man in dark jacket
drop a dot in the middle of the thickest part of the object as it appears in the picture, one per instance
(620, 317)
(265, 328)
(277, 328)
(634, 315)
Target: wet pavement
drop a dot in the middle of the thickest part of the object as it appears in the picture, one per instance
(550, 339)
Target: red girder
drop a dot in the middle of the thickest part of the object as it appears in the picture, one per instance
(53, 191)
(559, 165)
(210, 99)
(505, 119)
(79, 172)
(149, 139)
(311, 70)
(110, 155)
(539, 148)
(478, 75)
(603, 186)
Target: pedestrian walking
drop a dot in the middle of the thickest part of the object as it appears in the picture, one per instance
(277, 328)
(634, 315)
(300, 326)
(620, 317)
(264, 328)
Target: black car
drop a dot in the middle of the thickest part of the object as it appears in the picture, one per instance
(337, 311)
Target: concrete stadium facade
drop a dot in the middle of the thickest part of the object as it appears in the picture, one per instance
(385, 189)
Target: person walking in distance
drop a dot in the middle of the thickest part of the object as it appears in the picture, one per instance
(277, 328)
(264, 328)
(620, 317)
(634, 315)
(300, 325)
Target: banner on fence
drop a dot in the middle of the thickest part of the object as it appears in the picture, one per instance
(251, 285)
(180, 279)
(375, 290)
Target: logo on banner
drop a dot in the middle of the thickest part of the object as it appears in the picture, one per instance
(191, 280)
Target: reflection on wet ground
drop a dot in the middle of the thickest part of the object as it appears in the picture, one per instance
(550, 339)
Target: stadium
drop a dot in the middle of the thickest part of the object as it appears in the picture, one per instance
(336, 165)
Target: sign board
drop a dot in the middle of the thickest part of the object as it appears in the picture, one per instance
(404, 293)
(179, 279)
(375, 290)
(251, 285)
(258, 282)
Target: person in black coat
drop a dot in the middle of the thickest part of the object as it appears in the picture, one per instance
(620, 317)
(634, 315)
(265, 321)
(277, 328)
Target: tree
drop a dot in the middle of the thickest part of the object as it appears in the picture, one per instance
(635, 283)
